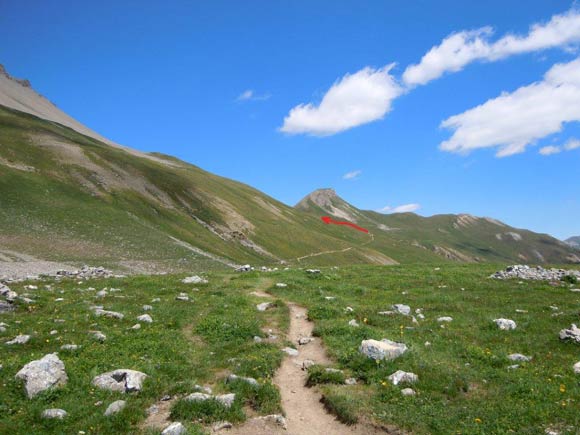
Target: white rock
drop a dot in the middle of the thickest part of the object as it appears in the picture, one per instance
(519, 357)
(290, 351)
(307, 363)
(350, 381)
(174, 429)
(99, 336)
(198, 397)
(182, 297)
(281, 285)
(329, 298)
(251, 381)
(304, 340)
(576, 368)
(147, 308)
(99, 312)
(19, 339)
(505, 324)
(572, 334)
(122, 380)
(353, 322)
(71, 347)
(402, 377)
(146, 318)
(226, 399)
(408, 392)
(194, 280)
(115, 407)
(349, 309)
(402, 309)
(54, 413)
(40, 375)
(264, 306)
(136, 326)
(384, 349)
(445, 319)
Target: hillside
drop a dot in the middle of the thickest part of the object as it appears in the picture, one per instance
(69, 195)
(573, 241)
(409, 237)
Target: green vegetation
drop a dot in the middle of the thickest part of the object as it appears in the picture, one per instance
(68, 197)
(465, 382)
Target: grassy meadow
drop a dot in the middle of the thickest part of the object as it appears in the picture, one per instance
(465, 384)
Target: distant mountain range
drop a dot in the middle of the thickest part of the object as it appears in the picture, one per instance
(573, 241)
(68, 194)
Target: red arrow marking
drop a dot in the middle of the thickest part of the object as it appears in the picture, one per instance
(329, 220)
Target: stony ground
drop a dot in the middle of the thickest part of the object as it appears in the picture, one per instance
(357, 350)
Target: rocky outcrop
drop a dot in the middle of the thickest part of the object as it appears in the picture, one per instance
(42, 374)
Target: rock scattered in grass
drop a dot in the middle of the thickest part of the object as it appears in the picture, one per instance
(402, 377)
(146, 318)
(115, 407)
(100, 312)
(505, 324)
(281, 285)
(227, 400)
(42, 374)
(519, 357)
(233, 378)
(350, 381)
(403, 309)
(265, 306)
(305, 340)
(354, 323)
(174, 429)
(534, 273)
(408, 392)
(445, 319)
(54, 413)
(70, 347)
(136, 326)
(384, 349)
(570, 334)
(147, 308)
(99, 336)
(307, 363)
(182, 297)
(313, 271)
(19, 339)
(122, 380)
(194, 280)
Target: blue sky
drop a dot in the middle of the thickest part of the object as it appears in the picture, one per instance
(168, 76)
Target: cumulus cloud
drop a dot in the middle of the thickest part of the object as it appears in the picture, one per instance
(405, 208)
(250, 95)
(352, 175)
(462, 48)
(354, 100)
(572, 144)
(515, 120)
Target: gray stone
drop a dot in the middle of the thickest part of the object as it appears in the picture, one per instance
(146, 318)
(576, 368)
(99, 312)
(115, 407)
(122, 380)
(354, 323)
(290, 351)
(350, 381)
(71, 347)
(222, 425)
(519, 357)
(19, 339)
(147, 307)
(408, 392)
(198, 397)
(265, 306)
(384, 349)
(571, 334)
(233, 378)
(305, 340)
(402, 309)
(182, 297)
(445, 319)
(402, 377)
(307, 363)
(54, 413)
(194, 280)
(174, 429)
(226, 399)
(505, 324)
(42, 374)
(99, 336)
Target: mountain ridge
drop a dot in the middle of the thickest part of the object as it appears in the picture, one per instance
(67, 195)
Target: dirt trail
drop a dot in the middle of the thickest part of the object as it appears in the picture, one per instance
(316, 254)
(305, 414)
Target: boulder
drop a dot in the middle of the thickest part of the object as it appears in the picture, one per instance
(402, 377)
(54, 413)
(122, 380)
(505, 324)
(115, 407)
(174, 429)
(19, 339)
(570, 334)
(42, 374)
(402, 309)
(384, 349)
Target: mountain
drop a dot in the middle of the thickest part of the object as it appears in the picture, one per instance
(460, 237)
(70, 195)
(573, 241)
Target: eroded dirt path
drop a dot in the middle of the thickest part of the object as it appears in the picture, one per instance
(305, 414)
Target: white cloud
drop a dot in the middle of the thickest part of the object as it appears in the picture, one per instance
(515, 120)
(572, 144)
(356, 99)
(353, 175)
(250, 95)
(460, 49)
(549, 150)
(406, 208)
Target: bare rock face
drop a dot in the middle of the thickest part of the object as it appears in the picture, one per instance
(384, 349)
(42, 374)
(122, 380)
